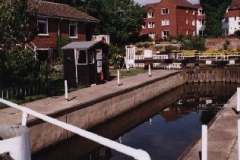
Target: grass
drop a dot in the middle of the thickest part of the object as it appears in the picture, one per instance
(125, 73)
(56, 88)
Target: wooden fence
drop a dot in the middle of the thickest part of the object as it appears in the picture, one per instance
(17, 92)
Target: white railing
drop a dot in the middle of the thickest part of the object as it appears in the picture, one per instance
(138, 154)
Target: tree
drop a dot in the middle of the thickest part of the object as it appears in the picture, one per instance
(21, 65)
(118, 18)
(214, 11)
(14, 22)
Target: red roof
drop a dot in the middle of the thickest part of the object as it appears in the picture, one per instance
(235, 4)
(151, 5)
(183, 3)
(58, 10)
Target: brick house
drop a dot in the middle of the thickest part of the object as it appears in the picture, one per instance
(170, 18)
(230, 21)
(56, 20)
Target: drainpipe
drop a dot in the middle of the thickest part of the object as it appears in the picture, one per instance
(59, 34)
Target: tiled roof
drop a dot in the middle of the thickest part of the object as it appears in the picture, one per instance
(149, 5)
(235, 4)
(183, 3)
(58, 10)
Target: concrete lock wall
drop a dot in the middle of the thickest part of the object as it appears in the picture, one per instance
(45, 134)
(14, 142)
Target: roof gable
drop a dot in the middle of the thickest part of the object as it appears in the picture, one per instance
(183, 3)
(58, 10)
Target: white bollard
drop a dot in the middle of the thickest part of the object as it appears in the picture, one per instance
(149, 70)
(15, 142)
(204, 141)
(118, 77)
(66, 90)
(238, 99)
(238, 123)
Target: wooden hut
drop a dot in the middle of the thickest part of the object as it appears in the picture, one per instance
(86, 62)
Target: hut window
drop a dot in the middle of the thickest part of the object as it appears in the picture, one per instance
(82, 57)
(91, 57)
(73, 31)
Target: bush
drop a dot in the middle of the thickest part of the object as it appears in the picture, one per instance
(21, 65)
(193, 43)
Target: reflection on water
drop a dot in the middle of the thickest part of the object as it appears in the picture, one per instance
(163, 127)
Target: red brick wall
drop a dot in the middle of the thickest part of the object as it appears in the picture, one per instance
(50, 41)
(217, 43)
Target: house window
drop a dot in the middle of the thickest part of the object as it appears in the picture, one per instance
(152, 35)
(82, 57)
(165, 11)
(202, 22)
(165, 22)
(186, 21)
(201, 12)
(150, 15)
(143, 26)
(194, 33)
(186, 32)
(193, 22)
(193, 12)
(151, 25)
(187, 11)
(42, 26)
(165, 34)
(73, 31)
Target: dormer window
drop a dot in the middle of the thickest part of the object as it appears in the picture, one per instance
(42, 26)
(73, 30)
(150, 15)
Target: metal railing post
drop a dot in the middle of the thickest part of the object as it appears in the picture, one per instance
(238, 123)
(24, 118)
(204, 141)
(66, 90)
(238, 99)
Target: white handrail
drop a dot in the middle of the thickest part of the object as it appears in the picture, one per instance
(138, 154)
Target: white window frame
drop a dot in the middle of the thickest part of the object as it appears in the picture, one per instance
(165, 11)
(75, 25)
(151, 25)
(150, 15)
(165, 22)
(164, 35)
(78, 56)
(43, 21)
(193, 22)
(152, 35)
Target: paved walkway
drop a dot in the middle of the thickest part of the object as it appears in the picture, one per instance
(53, 104)
(222, 136)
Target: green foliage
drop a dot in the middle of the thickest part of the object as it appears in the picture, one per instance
(116, 56)
(214, 10)
(118, 18)
(14, 22)
(62, 41)
(21, 65)
(170, 48)
(193, 43)
(226, 45)
(237, 33)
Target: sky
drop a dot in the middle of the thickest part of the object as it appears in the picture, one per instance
(142, 2)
